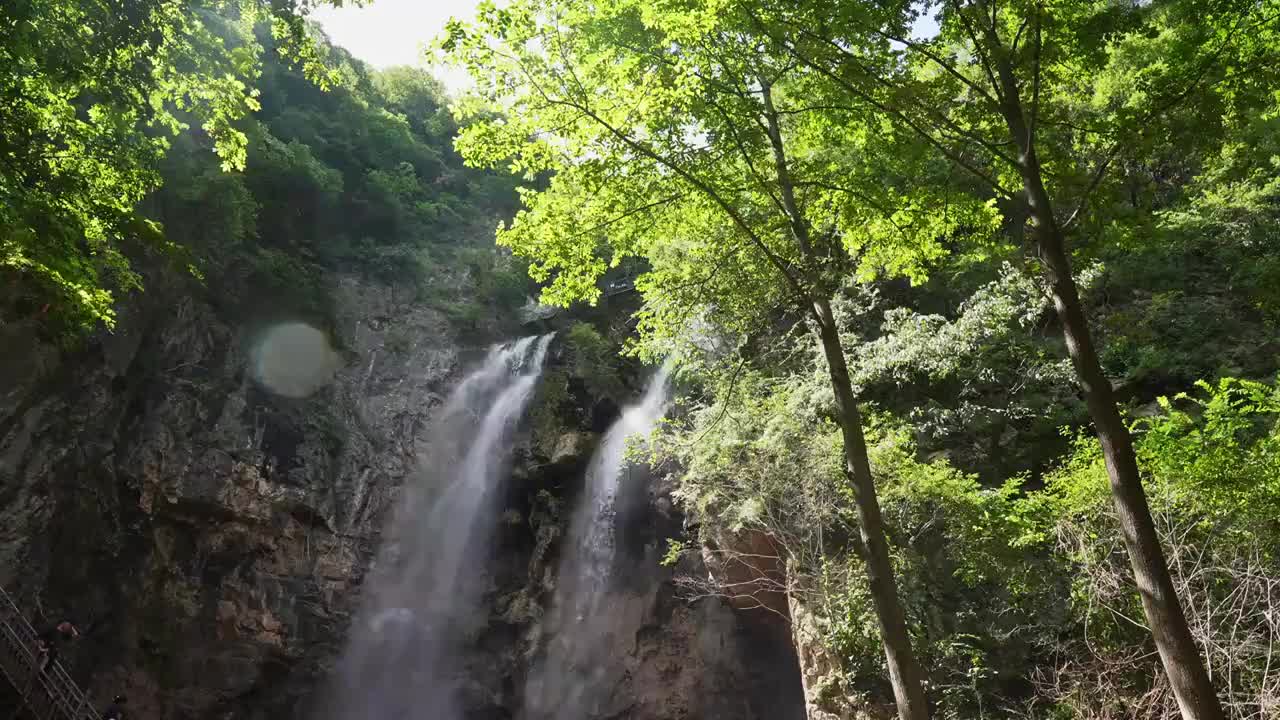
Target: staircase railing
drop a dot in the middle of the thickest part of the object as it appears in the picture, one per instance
(48, 694)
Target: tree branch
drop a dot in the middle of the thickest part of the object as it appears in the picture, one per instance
(946, 66)
(746, 156)
(1035, 82)
(1098, 174)
(629, 213)
(940, 117)
(977, 48)
(701, 185)
(895, 112)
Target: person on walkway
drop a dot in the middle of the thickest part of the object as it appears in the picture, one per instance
(115, 711)
(50, 640)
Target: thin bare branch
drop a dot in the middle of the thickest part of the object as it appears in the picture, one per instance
(914, 125)
(977, 48)
(947, 67)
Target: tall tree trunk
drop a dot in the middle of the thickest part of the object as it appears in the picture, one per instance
(904, 671)
(1177, 648)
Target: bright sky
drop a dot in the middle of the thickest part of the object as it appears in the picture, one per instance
(393, 32)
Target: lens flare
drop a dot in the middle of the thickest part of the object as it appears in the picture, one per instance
(294, 360)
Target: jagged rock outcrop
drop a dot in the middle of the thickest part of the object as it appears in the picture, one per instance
(211, 535)
(825, 697)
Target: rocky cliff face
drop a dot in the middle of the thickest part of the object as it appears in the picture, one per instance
(208, 533)
(211, 535)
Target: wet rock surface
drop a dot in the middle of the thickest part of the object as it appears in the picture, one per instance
(211, 535)
(208, 533)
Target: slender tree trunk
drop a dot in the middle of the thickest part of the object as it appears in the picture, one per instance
(904, 671)
(1178, 651)
(1177, 648)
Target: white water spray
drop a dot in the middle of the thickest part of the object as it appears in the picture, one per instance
(571, 680)
(421, 597)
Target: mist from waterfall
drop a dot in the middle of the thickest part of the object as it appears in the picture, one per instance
(572, 678)
(423, 594)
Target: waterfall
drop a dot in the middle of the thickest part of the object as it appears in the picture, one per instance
(423, 593)
(572, 677)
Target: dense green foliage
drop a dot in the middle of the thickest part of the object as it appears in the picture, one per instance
(763, 156)
(90, 99)
(1021, 599)
(797, 185)
(227, 137)
(254, 157)
(357, 179)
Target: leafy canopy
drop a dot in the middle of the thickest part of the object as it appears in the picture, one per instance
(91, 95)
(357, 180)
(674, 135)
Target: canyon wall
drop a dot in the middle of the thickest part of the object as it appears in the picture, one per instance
(208, 526)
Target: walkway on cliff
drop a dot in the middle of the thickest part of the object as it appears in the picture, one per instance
(47, 695)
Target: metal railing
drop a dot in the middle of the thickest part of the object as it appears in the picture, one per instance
(48, 693)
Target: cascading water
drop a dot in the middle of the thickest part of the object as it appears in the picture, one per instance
(570, 681)
(420, 600)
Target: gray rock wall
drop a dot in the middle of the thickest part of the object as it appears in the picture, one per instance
(211, 536)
